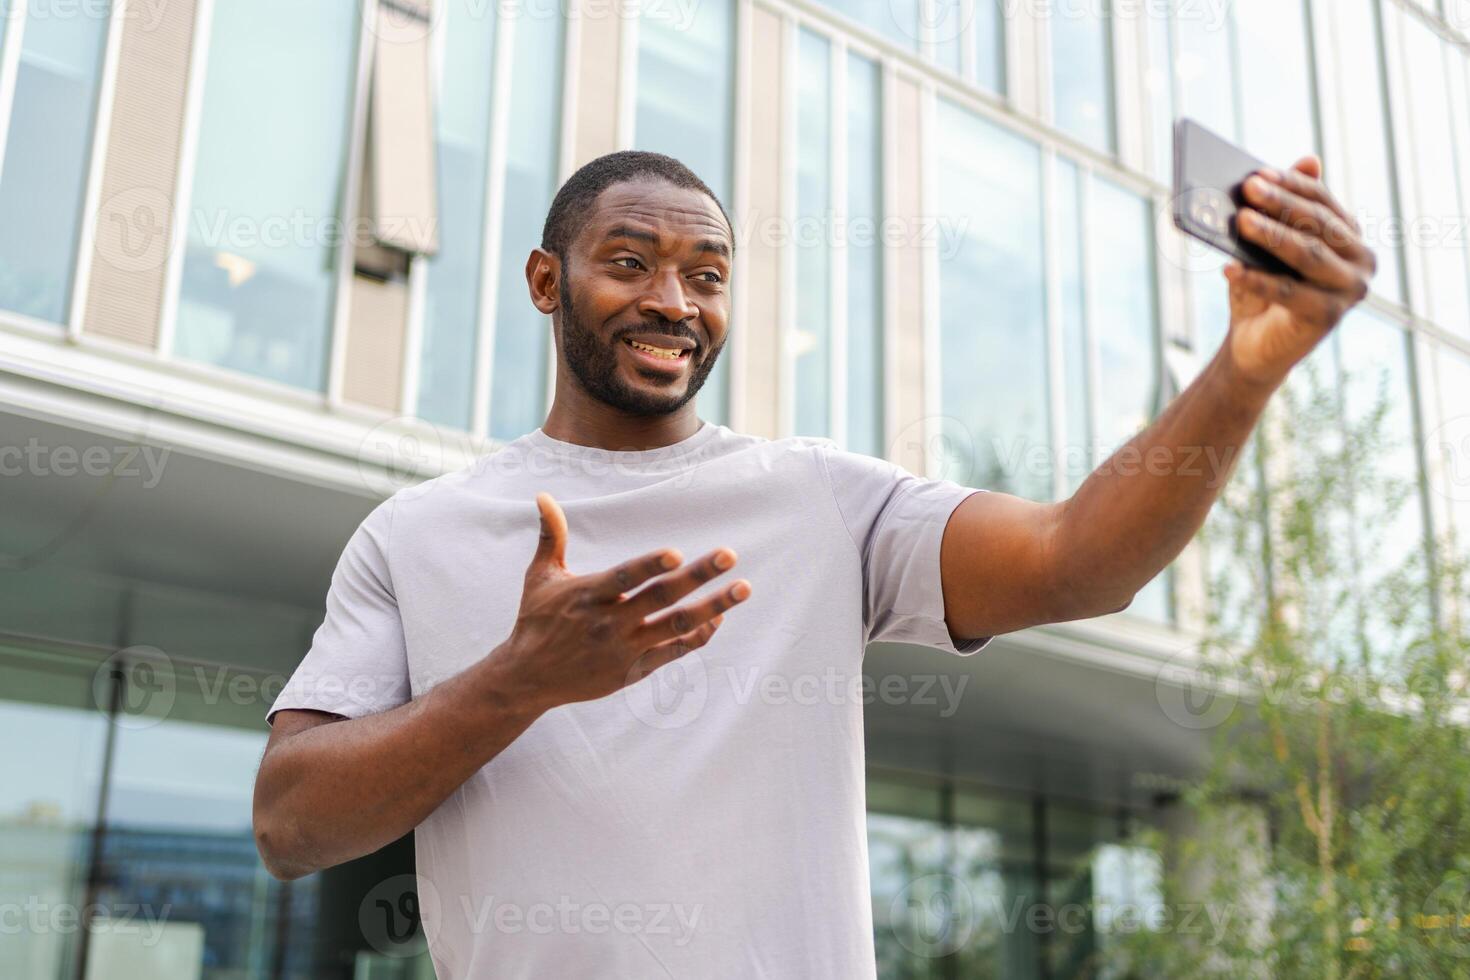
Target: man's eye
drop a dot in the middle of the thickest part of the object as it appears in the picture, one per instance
(711, 277)
(628, 258)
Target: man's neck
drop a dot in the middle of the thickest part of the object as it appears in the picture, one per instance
(601, 427)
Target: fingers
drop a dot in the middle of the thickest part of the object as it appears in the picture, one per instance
(670, 588)
(1307, 254)
(611, 584)
(1307, 184)
(677, 622)
(1310, 216)
(551, 546)
(1317, 307)
(671, 650)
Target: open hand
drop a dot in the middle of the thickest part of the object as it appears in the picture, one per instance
(1275, 321)
(580, 637)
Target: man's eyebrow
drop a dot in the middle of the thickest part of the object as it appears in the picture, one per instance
(714, 245)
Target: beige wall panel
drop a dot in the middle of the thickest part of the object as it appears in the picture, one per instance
(598, 80)
(907, 259)
(140, 171)
(375, 343)
(759, 315)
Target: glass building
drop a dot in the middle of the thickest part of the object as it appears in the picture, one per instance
(261, 265)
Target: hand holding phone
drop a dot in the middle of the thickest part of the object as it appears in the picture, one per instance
(1209, 177)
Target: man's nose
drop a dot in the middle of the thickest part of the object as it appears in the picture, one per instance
(666, 298)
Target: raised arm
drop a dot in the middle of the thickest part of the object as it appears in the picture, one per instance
(332, 789)
(1008, 563)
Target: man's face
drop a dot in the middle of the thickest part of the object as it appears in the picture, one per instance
(649, 269)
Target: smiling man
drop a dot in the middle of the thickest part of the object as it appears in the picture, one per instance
(604, 776)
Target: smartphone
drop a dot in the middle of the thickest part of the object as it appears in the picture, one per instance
(1209, 179)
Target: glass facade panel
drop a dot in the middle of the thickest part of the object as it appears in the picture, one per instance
(519, 385)
(1368, 160)
(1203, 66)
(1440, 221)
(990, 45)
(864, 256)
(686, 109)
(992, 302)
(811, 339)
(1082, 73)
(48, 807)
(48, 151)
(1126, 331)
(1077, 452)
(260, 260)
(452, 296)
(1275, 80)
(1158, 85)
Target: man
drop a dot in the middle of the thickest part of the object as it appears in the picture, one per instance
(576, 816)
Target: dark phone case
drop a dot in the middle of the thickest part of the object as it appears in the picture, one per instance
(1209, 174)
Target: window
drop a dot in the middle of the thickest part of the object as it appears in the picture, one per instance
(453, 290)
(1082, 94)
(990, 44)
(1123, 320)
(1275, 79)
(686, 108)
(1204, 69)
(1449, 442)
(1439, 222)
(48, 152)
(993, 376)
(1078, 455)
(811, 337)
(1366, 166)
(896, 21)
(1082, 72)
(259, 266)
(1158, 84)
(865, 296)
(518, 388)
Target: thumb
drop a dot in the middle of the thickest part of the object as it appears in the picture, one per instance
(551, 547)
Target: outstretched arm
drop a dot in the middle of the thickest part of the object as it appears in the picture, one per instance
(1008, 563)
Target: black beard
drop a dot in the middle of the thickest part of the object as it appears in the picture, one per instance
(595, 364)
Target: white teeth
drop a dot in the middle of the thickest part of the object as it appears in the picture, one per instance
(658, 351)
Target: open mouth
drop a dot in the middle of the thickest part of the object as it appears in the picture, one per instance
(661, 353)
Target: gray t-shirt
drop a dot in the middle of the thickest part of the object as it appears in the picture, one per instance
(709, 820)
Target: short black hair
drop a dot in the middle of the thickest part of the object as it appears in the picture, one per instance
(573, 202)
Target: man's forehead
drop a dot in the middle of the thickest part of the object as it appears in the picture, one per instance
(667, 211)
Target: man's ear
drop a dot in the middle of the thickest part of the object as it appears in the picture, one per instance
(543, 275)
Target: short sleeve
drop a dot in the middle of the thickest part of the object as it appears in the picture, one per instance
(897, 521)
(357, 664)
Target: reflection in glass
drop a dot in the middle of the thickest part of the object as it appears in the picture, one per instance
(686, 109)
(518, 388)
(992, 303)
(46, 158)
(864, 256)
(260, 260)
(1078, 454)
(810, 339)
(452, 294)
(48, 805)
(1082, 96)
